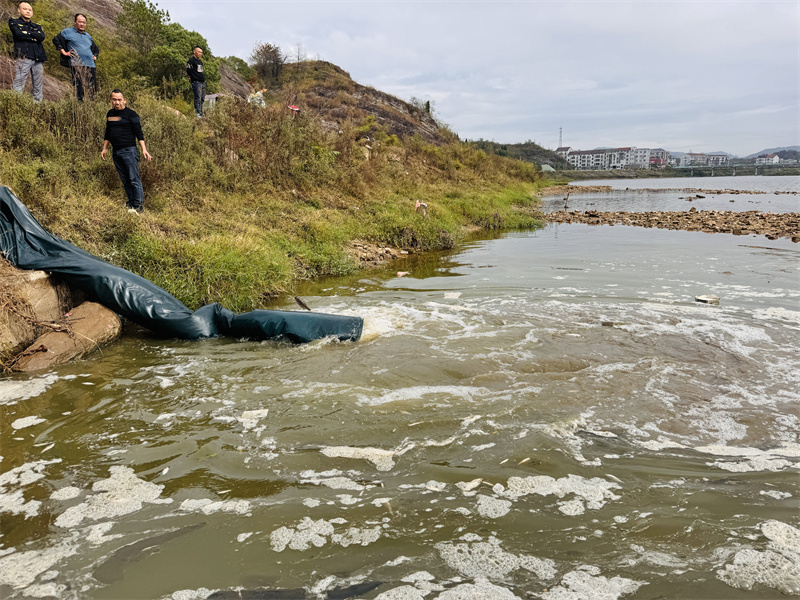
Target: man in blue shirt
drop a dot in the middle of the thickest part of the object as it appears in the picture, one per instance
(28, 50)
(79, 47)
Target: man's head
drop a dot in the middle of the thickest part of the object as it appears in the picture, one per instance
(25, 10)
(80, 22)
(118, 100)
(198, 52)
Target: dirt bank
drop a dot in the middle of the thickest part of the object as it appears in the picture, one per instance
(771, 225)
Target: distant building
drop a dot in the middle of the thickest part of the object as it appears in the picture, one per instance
(563, 151)
(658, 158)
(769, 159)
(693, 159)
(607, 158)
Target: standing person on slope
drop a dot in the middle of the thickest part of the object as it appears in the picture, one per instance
(28, 51)
(194, 69)
(78, 48)
(123, 129)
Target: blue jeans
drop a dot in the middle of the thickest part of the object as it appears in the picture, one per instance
(126, 160)
(199, 91)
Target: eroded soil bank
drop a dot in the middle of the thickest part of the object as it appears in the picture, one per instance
(771, 225)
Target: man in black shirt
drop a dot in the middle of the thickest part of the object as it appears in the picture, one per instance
(123, 129)
(194, 68)
(28, 50)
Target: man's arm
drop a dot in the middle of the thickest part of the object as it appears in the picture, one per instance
(104, 150)
(145, 153)
(25, 32)
(61, 44)
(37, 33)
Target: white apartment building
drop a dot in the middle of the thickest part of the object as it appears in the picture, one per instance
(693, 159)
(607, 158)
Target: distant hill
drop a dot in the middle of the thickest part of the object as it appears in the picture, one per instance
(774, 151)
(527, 151)
(330, 92)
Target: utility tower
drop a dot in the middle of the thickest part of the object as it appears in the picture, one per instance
(560, 143)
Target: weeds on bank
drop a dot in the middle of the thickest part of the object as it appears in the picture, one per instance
(248, 200)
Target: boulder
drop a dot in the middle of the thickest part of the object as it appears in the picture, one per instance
(28, 301)
(84, 330)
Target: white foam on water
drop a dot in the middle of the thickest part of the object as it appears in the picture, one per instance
(26, 422)
(479, 559)
(382, 459)
(13, 500)
(777, 495)
(420, 392)
(66, 493)
(21, 569)
(308, 533)
(198, 594)
(594, 492)
(209, 507)
(480, 590)
(777, 313)
(336, 483)
(586, 582)
(46, 590)
(121, 494)
(12, 391)
(403, 592)
(778, 566)
(492, 508)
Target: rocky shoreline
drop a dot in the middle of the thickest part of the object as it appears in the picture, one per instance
(561, 190)
(771, 225)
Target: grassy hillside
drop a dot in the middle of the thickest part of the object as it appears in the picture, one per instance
(242, 204)
(245, 202)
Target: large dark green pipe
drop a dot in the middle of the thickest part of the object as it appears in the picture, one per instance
(27, 245)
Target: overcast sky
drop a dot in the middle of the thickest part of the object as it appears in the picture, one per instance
(701, 76)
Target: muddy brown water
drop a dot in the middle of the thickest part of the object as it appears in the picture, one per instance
(544, 414)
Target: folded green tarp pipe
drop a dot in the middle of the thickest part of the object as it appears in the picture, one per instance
(27, 245)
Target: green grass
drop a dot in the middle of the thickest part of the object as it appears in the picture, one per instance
(245, 203)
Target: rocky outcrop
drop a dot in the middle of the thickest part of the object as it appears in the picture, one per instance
(38, 329)
(771, 225)
(85, 329)
(53, 89)
(230, 82)
(29, 301)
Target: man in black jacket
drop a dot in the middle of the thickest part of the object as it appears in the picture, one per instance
(28, 50)
(123, 129)
(194, 69)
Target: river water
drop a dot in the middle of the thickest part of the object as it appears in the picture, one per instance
(542, 414)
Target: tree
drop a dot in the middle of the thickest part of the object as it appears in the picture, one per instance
(141, 24)
(268, 61)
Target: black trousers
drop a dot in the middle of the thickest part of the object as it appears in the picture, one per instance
(85, 81)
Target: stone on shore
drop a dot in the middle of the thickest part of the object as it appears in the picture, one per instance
(86, 328)
(770, 225)
(28, 301)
